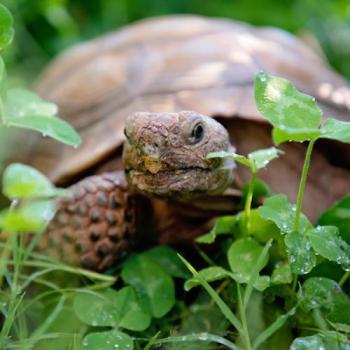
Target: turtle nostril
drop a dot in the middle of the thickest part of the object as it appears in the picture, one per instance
(151, 149)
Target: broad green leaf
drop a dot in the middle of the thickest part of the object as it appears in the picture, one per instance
(262, 229)
(23, 103)
(6, 27)
(132, 316)
(301, 256)
(327, 340)
(223, 225)
(313, 342)
(154, 286)
(27, 110)
(278, 209)
(325, 240)
(109, 340)
(53, 127)
(264, 156)
(97, 308)
(30, 217)
(335, 341)
(283, 134)
(283, 105)
(209, 274)
(255, 160)
(261, 283)
(242, 257)
(168, 259)
(338, 215)
(23, 181)
(3, 88)
(282, 274)
(111, 308)
(336, 130)
(326, 295)
(238, 158)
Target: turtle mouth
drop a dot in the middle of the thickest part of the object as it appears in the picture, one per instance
(183, 183)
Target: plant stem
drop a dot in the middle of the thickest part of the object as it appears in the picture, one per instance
(207, 337)
(243, 317)
(344, 278)
(302, 184)
(248, 201)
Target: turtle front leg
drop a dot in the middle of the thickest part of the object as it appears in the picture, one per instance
(95, 225)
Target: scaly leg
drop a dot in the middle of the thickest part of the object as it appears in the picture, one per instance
(95, 225)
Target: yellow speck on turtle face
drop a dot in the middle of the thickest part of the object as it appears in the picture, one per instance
(152, 164)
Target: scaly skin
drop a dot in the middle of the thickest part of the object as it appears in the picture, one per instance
(166, 155)
(164, 158)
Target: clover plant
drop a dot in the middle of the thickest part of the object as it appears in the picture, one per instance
(296, 246)
(273, 281)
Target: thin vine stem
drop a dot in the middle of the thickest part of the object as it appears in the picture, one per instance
(344, 278)
(243, 318)
(302, 184)
(249, 199)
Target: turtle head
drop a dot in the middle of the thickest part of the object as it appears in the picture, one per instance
(165, 154)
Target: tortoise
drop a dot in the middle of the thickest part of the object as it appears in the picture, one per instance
(163, 66)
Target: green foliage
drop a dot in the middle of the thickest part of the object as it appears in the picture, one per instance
(325, 240)
(6, 27)
(257, 260)
(32, 207)
(154, 286)
(281, 274)
(112, 308)
(339, 216)
(302, 258)
(255, 161)
(22, 181)
(168, 260)
(223, 226)
(326, 295)
(28, 218)
(278, 209)
(109, 340)
(209, 274)
(242, 257)
(294, 115)
(24, 109)
(326, 340)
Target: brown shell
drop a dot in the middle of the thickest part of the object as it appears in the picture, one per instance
(170, 64)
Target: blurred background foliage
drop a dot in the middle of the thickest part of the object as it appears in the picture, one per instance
(45, 27)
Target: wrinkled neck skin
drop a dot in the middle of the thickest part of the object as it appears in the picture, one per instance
(165, 159)
(172, 222)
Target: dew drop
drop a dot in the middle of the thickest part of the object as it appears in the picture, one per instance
(203, 336)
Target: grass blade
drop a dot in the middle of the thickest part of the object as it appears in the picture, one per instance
(275, 326)
(220, 303)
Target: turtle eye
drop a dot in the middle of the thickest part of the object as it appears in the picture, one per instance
(196, 133)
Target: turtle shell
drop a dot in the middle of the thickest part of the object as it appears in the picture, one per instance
(177, 63)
